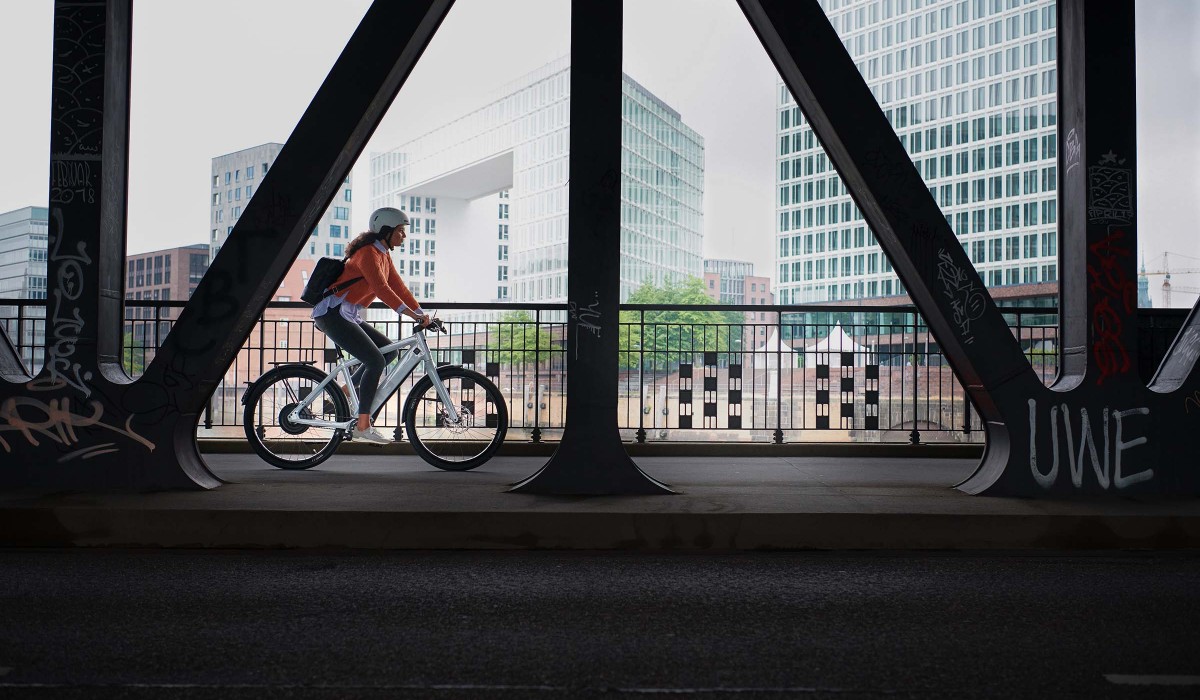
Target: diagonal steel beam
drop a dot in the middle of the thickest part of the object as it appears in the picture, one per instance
(82, 424)
(1099, 430)
(908, 223)
(305, 177)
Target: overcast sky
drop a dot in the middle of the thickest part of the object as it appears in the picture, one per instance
(219, 76)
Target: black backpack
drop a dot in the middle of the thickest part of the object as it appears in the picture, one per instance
(320, 282)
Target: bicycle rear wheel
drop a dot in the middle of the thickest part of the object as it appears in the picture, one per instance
(277, 440)
(470, 442)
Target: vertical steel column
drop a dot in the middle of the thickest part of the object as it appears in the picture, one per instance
(88, 176)
(1097, 166)
(591, 459)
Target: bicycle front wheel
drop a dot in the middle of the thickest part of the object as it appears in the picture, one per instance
(474, 438)
(278, 440)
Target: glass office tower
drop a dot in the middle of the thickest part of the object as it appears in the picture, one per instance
(497, 179)
(970, 88)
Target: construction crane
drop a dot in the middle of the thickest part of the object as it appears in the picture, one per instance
(1164, 268)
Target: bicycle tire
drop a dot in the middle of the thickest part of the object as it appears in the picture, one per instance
(263, 424)
(458, 452)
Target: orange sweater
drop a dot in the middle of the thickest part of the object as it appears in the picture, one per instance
(380, 279)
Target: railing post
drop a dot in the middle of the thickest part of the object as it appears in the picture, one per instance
(641, 433)
(536, 435)
(21, 339)
(914, 437)
(779, 379)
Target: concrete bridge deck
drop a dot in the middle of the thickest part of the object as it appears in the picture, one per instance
(724, 503)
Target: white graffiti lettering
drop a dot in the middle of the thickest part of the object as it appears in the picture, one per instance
(586, 319)
(1108, 469)
(66, 322)
(967, 302)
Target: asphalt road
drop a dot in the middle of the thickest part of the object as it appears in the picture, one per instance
(193, 624)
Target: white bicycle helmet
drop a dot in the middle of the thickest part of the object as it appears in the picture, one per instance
(387, 218)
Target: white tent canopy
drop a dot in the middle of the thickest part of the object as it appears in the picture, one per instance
(769, 354)
(827, 351)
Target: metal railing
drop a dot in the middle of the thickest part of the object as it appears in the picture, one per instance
(687, 373)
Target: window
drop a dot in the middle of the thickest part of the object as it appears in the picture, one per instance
(346, 195)
(335, 231)
(429, 267)
(341, 213)
(502, 253)
(264, 168)
(228, 177)
(337, 249)
(249, 172)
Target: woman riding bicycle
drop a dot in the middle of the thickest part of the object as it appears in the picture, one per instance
(369, 274)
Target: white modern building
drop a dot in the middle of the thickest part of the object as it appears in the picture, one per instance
(23, 241)
(970, 88)
(492, 187)
(235, 177)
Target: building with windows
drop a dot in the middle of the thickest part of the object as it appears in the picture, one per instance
(734, 282)
(159, 276)
(23, 235)
(165, 275)
(235, 176)
(970, 88)
(23, 240)
(492, 185)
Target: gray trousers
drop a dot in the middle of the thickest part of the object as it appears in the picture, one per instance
(363, 342)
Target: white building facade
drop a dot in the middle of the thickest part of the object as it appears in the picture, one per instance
(970, 86)
(497, 178)
(236, 176)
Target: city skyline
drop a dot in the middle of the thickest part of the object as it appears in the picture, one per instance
(712, 69)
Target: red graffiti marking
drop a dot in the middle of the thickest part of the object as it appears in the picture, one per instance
(1117, 293)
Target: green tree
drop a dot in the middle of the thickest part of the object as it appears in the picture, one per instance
(517, 339)
(669, 337)
(132, 358)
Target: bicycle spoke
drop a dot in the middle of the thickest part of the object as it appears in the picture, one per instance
(276, 437)
(478, 431)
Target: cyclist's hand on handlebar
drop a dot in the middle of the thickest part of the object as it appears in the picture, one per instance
(432, 323)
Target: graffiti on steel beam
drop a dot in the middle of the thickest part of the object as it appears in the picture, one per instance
(1074, 152)
(56, 422)
(1115, 300)
(72, 181)
(1110, 191)
(66, 321)
(79, 39)
(1109, 463)
(587, 318)
(967, 301)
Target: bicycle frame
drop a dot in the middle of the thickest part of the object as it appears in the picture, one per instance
(414, 350)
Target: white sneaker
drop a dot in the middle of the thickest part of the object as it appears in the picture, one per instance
(372, 436)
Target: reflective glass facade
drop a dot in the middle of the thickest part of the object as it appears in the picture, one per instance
(500, 177)
(970, 88)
